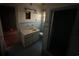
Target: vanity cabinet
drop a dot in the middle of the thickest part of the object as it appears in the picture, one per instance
(29, 39)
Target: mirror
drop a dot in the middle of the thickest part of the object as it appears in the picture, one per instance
(28, 15)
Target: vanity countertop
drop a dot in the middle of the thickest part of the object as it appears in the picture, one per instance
(28, 31)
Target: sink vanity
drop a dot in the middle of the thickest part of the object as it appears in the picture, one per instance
(29, 36)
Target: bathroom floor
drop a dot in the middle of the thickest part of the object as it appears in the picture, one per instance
(33, 50)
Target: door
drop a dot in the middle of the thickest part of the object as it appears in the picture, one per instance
(61, 31)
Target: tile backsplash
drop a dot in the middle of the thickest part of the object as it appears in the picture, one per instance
(28, 24)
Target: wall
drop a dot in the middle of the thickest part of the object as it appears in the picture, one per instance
(55, 5)
(74, 41)
(46, 29)
(43, 16)
(2, 49)
(0, 36)
(25, 23)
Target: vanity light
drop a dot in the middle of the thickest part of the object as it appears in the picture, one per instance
(35, 11)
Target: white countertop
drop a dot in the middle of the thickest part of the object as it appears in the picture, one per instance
(28, 31)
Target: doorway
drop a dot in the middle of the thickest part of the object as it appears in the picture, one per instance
(61, 30)
(8, 21)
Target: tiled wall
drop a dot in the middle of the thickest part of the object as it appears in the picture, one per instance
(25, 23)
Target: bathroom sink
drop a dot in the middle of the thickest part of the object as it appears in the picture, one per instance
(29, 31)
(34, 29)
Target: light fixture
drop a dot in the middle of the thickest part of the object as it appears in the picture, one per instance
(35, 11)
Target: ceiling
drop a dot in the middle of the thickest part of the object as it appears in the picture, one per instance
(39, 5)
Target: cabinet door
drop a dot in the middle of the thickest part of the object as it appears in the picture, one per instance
(36, 36)
(28, 39)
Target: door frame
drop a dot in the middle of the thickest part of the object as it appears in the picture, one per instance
(3, 45)
(2, 42)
